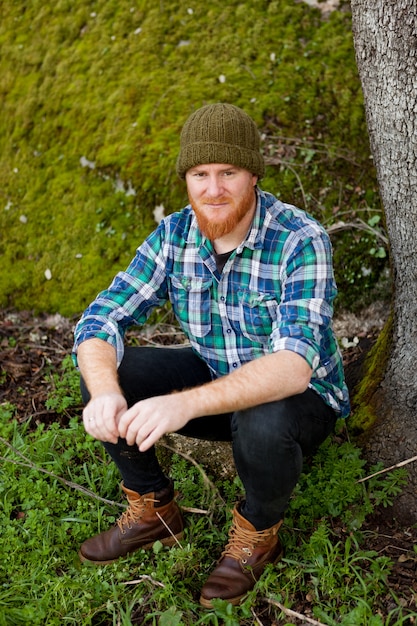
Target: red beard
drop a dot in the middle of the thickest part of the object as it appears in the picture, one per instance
(214, 228)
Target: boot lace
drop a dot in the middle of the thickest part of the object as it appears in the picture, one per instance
(242, 542)
(133, 513)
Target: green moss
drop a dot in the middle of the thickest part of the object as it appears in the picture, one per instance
(113, 82)
(363, 415)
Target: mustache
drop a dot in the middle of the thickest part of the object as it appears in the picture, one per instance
(209, 200)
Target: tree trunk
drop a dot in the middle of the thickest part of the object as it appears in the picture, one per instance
(385, 36)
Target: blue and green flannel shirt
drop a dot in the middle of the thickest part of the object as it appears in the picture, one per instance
(274, 293)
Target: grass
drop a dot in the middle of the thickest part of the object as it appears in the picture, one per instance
(51, 481)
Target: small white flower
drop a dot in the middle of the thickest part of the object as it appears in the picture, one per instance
(130, 191)
(159, 213)
(119, 185)
(137, 31)
(190, 11)
(273, 56)
(48, 274)
(78, 255)
(15, 170)
(93, 14)
(23, 219)
(349, 344)
(222, 78)
(86, 163)
(8, 206)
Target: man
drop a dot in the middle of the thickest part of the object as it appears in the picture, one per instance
(251, 283)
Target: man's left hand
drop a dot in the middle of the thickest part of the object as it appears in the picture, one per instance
(146, 421)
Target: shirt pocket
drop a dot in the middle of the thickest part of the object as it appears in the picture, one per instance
(257, 313)
(190, 298)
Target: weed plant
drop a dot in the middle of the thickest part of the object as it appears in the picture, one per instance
(57, 488)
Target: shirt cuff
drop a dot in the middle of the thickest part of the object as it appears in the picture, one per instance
(300, 345)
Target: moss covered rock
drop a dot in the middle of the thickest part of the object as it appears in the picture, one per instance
(94, 95)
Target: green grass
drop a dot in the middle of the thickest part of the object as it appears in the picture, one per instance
(110, 84)
(52, 484)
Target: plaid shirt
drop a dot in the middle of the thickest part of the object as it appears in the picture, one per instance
(274, 293)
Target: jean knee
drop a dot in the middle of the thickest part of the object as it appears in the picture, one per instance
(267, 423)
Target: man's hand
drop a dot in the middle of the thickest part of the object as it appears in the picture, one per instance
(102, 414)
(146, 421)
(267, 379)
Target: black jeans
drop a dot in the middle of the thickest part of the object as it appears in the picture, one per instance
(268, 440)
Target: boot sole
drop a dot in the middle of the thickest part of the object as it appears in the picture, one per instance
(208, 604)
(167, 541)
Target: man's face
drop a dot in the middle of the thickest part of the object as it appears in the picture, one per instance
(221, 196)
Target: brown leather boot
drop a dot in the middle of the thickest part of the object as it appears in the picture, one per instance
(152, 517)
(242, 562)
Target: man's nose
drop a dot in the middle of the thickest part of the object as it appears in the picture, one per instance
(214, 186)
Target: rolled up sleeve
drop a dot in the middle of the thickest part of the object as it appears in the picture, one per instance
(305, 311)
(128, 301)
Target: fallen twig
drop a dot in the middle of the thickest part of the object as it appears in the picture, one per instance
(168, 528)
(388, 469)
(68, 483)
(291, 613)
(360, 225)
(191, 509)
(256, 618)
(206, 479)
(142, 578)
(28, 463)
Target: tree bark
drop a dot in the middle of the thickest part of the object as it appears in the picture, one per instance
(385, 36)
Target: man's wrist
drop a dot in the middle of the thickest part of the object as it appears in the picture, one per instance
(105, 390)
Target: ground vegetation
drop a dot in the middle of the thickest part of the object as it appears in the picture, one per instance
(347, 562)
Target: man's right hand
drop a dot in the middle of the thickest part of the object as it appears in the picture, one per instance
(98, 367)
(101, 416)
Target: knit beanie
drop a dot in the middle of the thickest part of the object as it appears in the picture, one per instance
(220, 133)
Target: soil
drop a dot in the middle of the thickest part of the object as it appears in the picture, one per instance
(32, 349)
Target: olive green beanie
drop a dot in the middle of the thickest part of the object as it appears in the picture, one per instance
(220, 133)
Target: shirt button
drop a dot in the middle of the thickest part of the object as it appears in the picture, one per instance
(234, 364)
(229, 330)
(222, 299)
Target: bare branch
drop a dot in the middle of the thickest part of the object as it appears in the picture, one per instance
(142, 578)
(388, 469)
(291, 613)
(358, 224)
(256, 618)
(168, 528)
(28, 463)
(206, 479)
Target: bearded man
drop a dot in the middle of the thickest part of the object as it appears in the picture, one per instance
(251, 283)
